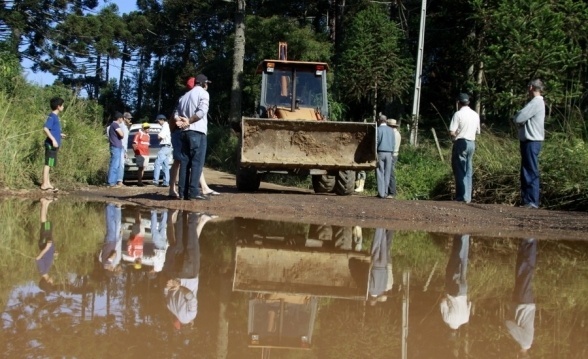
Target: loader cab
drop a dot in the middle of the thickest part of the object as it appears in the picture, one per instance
(293, 90)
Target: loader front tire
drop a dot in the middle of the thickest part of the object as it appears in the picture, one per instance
(247, 179)
(345, 183)
(323, 183)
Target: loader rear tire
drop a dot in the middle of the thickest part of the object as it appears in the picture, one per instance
(247, 179)
(323, 183)
(345, 183)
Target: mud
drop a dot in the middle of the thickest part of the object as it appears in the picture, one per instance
(302, 205)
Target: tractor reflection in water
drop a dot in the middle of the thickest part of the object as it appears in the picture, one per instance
(286, 268)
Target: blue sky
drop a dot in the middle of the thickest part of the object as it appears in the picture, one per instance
(43, 78)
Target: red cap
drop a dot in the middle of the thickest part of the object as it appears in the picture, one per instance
(190, 83)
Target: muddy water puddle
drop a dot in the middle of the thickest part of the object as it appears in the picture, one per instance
(87, 280)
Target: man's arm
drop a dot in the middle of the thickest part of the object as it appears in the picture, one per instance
(527, 112)
(201, 103)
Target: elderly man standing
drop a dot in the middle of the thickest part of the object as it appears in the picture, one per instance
(162, 160)
(464, 126)
(530, 121)
(191, 117)
(397, 138)
(385, 148)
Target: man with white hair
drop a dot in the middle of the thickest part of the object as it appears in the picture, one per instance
(385, 147)
(530, 121)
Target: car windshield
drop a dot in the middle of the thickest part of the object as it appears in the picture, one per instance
(153, 140)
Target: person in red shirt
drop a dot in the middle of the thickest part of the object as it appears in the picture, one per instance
(141, 148)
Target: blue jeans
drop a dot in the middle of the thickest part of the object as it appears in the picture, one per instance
(114, 165)
(383, 173)
(162, 163)
(193, 155)
(463, 169)
(530, 172)
(121, 173)
(455, 273)
(392, 184)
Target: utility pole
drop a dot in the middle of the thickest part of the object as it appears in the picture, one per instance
(417, 81)
(238, 58)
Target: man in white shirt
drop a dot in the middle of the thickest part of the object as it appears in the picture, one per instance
(455, 306)
(162, 161)
(464, 126)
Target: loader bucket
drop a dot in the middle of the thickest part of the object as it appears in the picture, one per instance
(289, 144)
(306, 272)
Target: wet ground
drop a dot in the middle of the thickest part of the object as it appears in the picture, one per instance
(287, 274)
(287, 203)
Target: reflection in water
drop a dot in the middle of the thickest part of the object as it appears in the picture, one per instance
(183, 268)
(239, 287)
(111, 253)
(381, 279)
(521, 322)
(47, 252)
(455, 307)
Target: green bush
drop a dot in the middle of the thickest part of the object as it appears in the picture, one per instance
(83, 157)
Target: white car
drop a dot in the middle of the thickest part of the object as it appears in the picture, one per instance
(131, 169)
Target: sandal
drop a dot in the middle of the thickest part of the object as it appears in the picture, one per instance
(50, 189)
(212, 193)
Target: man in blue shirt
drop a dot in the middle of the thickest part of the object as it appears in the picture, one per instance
(191, 117)
(52, 129)
(385, 149)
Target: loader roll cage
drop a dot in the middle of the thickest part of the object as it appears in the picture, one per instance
(293, 85)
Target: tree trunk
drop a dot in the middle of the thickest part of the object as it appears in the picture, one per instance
(238, 56)
(140, 85)
(122, 73)
(98, 76)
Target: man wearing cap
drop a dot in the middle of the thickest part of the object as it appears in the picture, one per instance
(530, 121)
(124, 126)
(191, 116)
(397, 138)
(115, 135)
(385, 148)
(141, 148)
(464, 126)
(162, 160)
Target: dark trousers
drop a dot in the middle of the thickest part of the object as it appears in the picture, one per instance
(530, 172)
(455, 273)
(193, 155)
(526, 260)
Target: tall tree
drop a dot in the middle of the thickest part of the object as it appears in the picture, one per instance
(373, 62)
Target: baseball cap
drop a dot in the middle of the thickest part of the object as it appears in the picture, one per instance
(127, 115)
(146, 125)
(117, 115)
(161, 117)
(201, 78)
(463, 98)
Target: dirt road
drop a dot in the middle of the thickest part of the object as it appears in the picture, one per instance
(300, 205)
